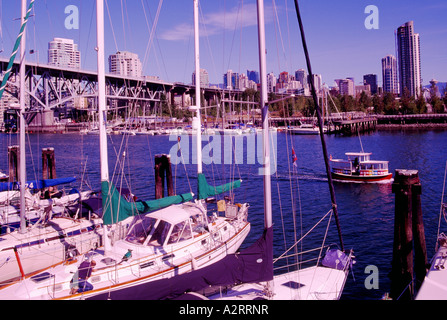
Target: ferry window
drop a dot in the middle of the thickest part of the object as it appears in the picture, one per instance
(140, 230)
(160, 234)
(180, 232)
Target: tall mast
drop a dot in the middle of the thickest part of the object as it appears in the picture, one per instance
(101, 91)
(198, 91)
(265, 116)
(320, 125)
(102, 110)
(22, 149)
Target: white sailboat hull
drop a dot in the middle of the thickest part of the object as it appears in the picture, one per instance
(203, 250)
(434, 286)
(44, 246)
(313, 283)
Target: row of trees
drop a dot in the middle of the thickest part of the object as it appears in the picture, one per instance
(386, 103)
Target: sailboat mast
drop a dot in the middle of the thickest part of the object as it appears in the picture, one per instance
(101, 91)
(102, 112)
(198, 92)
(22, 153)
(265, 116)
(320, 125)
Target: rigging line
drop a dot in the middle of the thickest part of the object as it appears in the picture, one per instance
(124, 28)
(280, 33)
(240, 36)
(151, 30)
(234, 35)
(307, 233)
(111, 25)
(288, 32)
(291, 182)
(320, 125)
(210, 52)
(321, 248)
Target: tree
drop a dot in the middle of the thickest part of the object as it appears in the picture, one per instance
(365, 102)
(408, 105)
(435, 101)
(389, 104)
(347, 103)
(377, 104)
(421, 104)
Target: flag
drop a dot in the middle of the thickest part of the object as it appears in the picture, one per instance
(294, 157)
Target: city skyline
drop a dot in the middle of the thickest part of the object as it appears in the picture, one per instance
(340, 45)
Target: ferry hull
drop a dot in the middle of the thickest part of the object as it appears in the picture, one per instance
(358, 178)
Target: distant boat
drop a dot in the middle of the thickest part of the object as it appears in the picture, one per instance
(306, 128)
(3, 177)
(359, 167)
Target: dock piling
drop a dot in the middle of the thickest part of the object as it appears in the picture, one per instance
(162, 170)
(408, 235)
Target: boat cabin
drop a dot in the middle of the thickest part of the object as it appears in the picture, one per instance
(359, 163)
(167, 227)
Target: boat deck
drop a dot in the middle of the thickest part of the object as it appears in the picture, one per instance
(434, 286)
(314, 283)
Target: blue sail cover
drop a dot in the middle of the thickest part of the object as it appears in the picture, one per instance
(36, 184)
(205, 190)
(254, 264)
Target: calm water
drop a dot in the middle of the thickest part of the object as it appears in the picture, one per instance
(366, 210)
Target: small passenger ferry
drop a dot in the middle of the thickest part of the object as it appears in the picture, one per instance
(359, 167)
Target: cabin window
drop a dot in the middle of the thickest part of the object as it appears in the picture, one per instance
(140, 230)
(180, 232)
(198, 224)
(160, 234)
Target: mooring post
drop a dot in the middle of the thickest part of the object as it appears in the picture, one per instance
(408, 228)
(159, 177)
(48, 164)
(169, 184)
(162, 170)
(13, 163)
(420, 248)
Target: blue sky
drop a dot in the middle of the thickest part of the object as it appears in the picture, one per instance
(339, 44)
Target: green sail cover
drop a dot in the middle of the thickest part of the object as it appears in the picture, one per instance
(205, 190)
(116, 208)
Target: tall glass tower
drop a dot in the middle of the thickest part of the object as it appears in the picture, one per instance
(409, 59)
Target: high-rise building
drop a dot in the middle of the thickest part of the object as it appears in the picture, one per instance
(371, 79)
(231, 80)
(204, 78)
(271, 82)
(318, 82)
(408, 48)
(301, 76)
(253, 75)
(64, 53)
(346, 86)
(389, 75)
(125, 63)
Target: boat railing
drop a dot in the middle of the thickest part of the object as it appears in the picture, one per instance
(296, 256)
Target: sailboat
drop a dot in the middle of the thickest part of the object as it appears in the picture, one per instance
(434, 286)
(248, 274)
(33, 247)
(164, 238)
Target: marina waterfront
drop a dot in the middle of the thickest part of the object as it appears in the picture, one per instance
(366, 210)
